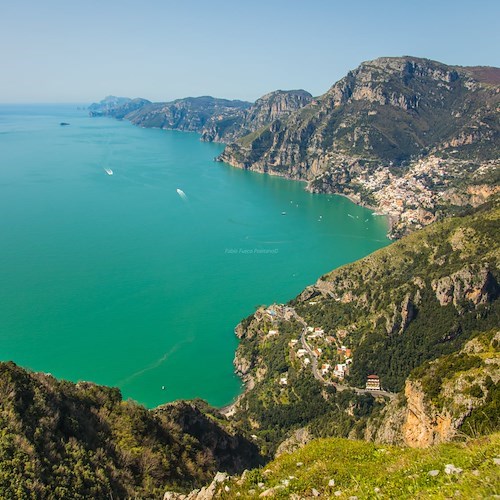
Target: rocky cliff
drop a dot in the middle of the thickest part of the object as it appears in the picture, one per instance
(272, 106)
(402, 134)
(445, 399)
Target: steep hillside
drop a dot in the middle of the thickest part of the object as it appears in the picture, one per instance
(306, 363)
(413, 137)
(190, 114)
(278, 104)
(65, 440)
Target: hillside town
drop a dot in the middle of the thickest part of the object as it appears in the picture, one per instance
(316, 350)
(413, 200)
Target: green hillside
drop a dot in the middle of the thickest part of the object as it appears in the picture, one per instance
(422, 298)
(340, 468)
(65, 440)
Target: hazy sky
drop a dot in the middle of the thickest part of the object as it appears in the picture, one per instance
(82, 50)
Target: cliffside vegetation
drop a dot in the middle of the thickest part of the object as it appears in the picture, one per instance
(429, 296)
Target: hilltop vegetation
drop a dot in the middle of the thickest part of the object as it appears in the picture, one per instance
(340, 468)
(65, 440)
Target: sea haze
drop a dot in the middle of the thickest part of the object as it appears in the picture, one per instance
(122, 279)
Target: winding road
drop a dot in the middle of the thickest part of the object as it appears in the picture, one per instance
(317, 374)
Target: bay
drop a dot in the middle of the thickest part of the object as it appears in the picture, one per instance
(125, 281)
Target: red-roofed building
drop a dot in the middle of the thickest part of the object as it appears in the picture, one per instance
(373, 383)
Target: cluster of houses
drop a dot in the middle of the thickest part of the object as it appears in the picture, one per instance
(344, 354)
(342, 368)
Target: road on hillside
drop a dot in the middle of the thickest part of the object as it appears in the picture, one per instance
(317, 374)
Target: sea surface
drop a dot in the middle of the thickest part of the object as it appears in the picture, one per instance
(122, 279)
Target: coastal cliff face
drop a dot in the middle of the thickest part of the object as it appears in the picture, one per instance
(217, 120)
(270, 107)
(400, 134)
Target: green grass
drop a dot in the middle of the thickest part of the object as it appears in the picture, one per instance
(366, 470)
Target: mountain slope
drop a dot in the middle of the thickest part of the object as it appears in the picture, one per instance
(219, 120)
(421, 298)
(277, 104)
(407, 135)
(190, 114)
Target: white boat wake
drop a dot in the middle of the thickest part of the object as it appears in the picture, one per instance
(182, 194)
(154, 365)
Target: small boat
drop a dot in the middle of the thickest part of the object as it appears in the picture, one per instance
(64, 124)
(108, 171)
(351, 216)
(283, 213)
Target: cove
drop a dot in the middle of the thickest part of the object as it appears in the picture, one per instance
(123, 280)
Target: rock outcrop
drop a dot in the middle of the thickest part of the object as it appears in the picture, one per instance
(230, 450)
(275, 105)
(469, 284)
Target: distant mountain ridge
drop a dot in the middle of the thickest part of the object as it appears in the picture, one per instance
(217, 120)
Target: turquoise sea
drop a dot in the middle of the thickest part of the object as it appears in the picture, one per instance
(122, 280)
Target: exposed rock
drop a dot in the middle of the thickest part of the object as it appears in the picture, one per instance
(420, 428)
(297, 440)
(270, 492)
(476, 285)
(437, 124)
(270, 107)
(231, 451)
(407, 313)
(451, 469)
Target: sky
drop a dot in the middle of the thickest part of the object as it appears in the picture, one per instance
(82, 50)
